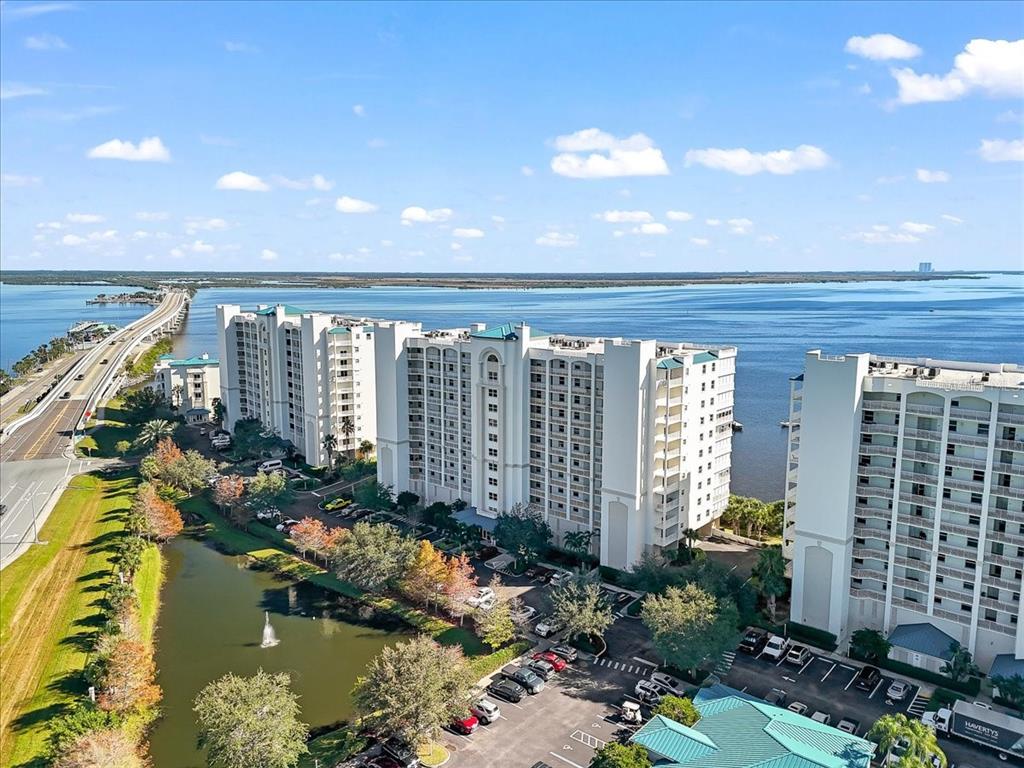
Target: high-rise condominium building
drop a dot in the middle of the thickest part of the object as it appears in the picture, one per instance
(628, 439)
(302, 374)
(191, 385)
(904, 503)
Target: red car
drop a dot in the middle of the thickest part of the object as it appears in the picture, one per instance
(466, 725)
(553, 659)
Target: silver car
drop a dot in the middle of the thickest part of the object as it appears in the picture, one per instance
(898, 690)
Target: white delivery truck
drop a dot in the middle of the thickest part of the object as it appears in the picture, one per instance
(1002, 733)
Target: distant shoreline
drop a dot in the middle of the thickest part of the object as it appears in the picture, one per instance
(506, 281)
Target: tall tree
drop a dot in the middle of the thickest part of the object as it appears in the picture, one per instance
(365, 449)
(690, 624)
(127, 680)
(374, 495)
(348, 428)
(919, 740)
(425, 577)
(769, 577)
(373, 556)
(960, 665)
(581, 608)
(251, 722)
(331, 541)
(496, 627)
(523, 532)
(330, 445)
(616, 755)
(228, 491)
(578, 543)
(154, 431)
(219, 411)
(407, 500)
(652, 573)
(103, 748)
(678, 708)
(414, 689)
(308, 535)
(189, 471)
(459, 585)
(870, 644)
(269, 489)
(1011, 688)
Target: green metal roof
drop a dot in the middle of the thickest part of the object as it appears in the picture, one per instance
(503, 332)
(191, 361)
(923, 638)
(670, 362)
(705, 357)
(340, 329)
(288, 310)
(167, 356)
(738, 731)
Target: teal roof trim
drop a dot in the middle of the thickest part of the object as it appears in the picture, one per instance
(340, 330)
(670, 363)
(705, 357)
(193, 361)
(923, 638)
(673, 740)
(503, 332)
(288, 310)
(168, 356)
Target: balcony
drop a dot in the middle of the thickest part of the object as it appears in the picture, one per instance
(996, 627)
(959, 438)
(872, 513)
(955, 572)
(871, 594)
(961, 506)
(1009, 515)
(868, 553)
(914, 542)
(920, 477)
(869, 573)
(961, 596)
(866, 449)
(1003, 560)
(965, 552)
(912, 562)
(914, 498)
(928, 456)
(924, 410)
(970, 413)
(912, 605)
(874, 492)
(961, 617)
(967, 463)
(1007, 584)
(880, 405)
(879, 429)
(1004, 537)
(876, 471)
(1010, 418)
(912, 584)
(1008, 469)
(1010, 493)
(922, 434)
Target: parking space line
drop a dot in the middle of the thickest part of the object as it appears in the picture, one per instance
(830, 670)
(847, 666)
(585, 738)
(805, 666)
(876, 688)
(565, 759)
(850, 683)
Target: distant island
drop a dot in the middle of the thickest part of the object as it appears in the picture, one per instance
(505, 280)
(147, 298)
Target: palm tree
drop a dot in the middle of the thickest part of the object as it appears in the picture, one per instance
(960, 665)
(769, 576)
(348, 428)
(916, 740)
(578, 542)
(154, 431)
(177, 395)
(365, 448)
(329, 444)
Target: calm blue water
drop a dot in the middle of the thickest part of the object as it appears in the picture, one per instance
(772, 325)
(31, 315)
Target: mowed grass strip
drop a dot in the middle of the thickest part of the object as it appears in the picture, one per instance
(51, 601)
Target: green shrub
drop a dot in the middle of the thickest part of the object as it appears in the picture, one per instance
(943, 697)
(969, 687)
(482, 666)
(812, 635)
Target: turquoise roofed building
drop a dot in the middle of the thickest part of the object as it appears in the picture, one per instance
(190, 384)
(738, 731)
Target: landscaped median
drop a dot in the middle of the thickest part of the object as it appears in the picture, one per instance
(52, 606)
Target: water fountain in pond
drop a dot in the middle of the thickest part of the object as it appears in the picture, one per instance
(269, 635)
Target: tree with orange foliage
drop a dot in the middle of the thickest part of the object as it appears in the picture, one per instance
(103, 748)
(425, 578)
(166, 452)
(228, 491)
(332, 538)
(459, 585)
(308, 535)
(165, 521)
(127, 680)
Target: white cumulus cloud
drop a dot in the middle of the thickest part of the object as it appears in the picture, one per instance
(72, 240)
(150, 150)
(84, 218)
(558, 240)
(621, 217)
(882, 47)
(875, 237)
(916, 228)
(316, 181)
(45, 42)
(740, 226)
(527, 170)
(1001, 150)
(609, 156)
(359, 110)
(952, 219)
(346, 204)
(415, 214)
(651, 228)
(926, 176)
(194, 224)
(468, 232)
(241, 181)
(994, 68)
(268, 255)
(678, 216)
(743, 162)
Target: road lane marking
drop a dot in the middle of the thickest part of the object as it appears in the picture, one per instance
(830, 670)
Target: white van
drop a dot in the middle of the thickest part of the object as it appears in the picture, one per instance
(270, 465)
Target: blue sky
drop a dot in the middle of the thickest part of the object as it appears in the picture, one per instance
(504, 137)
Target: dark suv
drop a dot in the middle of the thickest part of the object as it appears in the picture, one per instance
(507, 690)
(868, 678)
(754, 641)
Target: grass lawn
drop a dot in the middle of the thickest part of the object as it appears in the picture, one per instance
(333, 748)
(50, 606)
(143, 365)
(114, 428)
(148, 580)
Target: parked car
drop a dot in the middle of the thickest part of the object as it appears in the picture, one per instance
(797, 707)
(524, 614)
(102, 362)
(286, 524)
(849, 725)
(482, 595)
(506, 689)
(799, 655)
(567, 652)
(648, 692)
(776, 697)
(486, 711)
(530, 680)
(551, 658)
(669, 683)
(547, 627)
(898, 690)
(559, 578)
(542, 669)
(487, 552)
(80, 377)
(754, 641)
(822, 717)
(65, 396)
(465, 725)
(776, 647)
(270, 465)
(867, 678)
(401, 752)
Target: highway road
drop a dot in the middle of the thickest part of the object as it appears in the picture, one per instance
(36, 455)
(34, 386)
